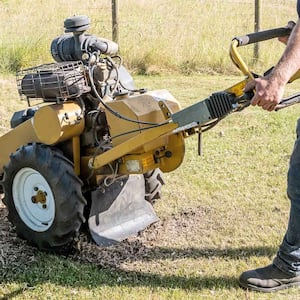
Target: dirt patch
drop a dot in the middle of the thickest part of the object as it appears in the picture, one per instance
(15, 251)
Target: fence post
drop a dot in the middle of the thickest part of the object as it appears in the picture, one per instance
(115, 20)
(256, 28)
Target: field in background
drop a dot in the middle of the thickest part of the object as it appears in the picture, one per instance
(155, 36)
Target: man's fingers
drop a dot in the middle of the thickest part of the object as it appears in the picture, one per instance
(268, 107)
(262, 97)
(250, 86)
(255, 100)
(284, 39)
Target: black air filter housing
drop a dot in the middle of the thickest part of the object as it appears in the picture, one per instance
(77, 24)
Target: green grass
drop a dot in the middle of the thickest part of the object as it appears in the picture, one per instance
(221, 213)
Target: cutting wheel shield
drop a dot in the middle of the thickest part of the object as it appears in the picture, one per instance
(120, 211)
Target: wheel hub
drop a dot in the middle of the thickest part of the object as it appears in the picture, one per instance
(33, 199)
(40, 197)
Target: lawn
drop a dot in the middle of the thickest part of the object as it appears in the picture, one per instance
(221, 213)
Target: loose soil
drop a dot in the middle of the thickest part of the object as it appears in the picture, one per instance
(15, 252)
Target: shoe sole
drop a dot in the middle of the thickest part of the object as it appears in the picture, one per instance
(268, 290)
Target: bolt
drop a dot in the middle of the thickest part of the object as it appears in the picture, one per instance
(33, 199)
(44, 206)
(168, 154)
(36, 188)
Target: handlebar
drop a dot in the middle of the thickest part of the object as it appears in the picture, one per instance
(262, 36)
(259, 37)
(254, 38)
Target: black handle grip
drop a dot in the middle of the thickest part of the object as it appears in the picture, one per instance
(262, 35)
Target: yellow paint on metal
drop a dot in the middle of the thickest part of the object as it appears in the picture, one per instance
(51, 124)
(140, 108)
(237, 59)
(176, 148)
(138, 146)
(58, 122)
(131, 144)
(238, 88)
(15, 138)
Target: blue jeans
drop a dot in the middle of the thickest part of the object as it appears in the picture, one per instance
(288, 256)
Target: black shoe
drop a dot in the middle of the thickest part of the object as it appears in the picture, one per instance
(268, 279)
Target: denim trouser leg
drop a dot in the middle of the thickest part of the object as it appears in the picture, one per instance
(288, 256)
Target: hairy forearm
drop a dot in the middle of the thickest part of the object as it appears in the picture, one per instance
(289, 63)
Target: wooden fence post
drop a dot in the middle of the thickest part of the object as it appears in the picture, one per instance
(115, 20)
(256, 28)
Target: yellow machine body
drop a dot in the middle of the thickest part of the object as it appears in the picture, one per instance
(163, 151)
(15, 138)
(138, 145)
(135, 149)
(58, 122)
(50, 125)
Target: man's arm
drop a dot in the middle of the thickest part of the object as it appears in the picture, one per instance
(270, 89)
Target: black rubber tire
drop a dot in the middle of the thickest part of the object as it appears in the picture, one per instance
(1, 187)
(65, 186)
(153, 185)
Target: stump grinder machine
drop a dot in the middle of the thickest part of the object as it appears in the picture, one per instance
(91, 148)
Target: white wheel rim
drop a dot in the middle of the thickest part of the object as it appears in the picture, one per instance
(27, 184)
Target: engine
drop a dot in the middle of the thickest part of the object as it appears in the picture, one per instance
(87, 70)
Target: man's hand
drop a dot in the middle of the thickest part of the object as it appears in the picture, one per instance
(268, 92)
(284, 39)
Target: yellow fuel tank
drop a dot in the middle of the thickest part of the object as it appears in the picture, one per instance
(58, 122)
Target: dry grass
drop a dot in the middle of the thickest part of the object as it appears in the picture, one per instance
(155, 36)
